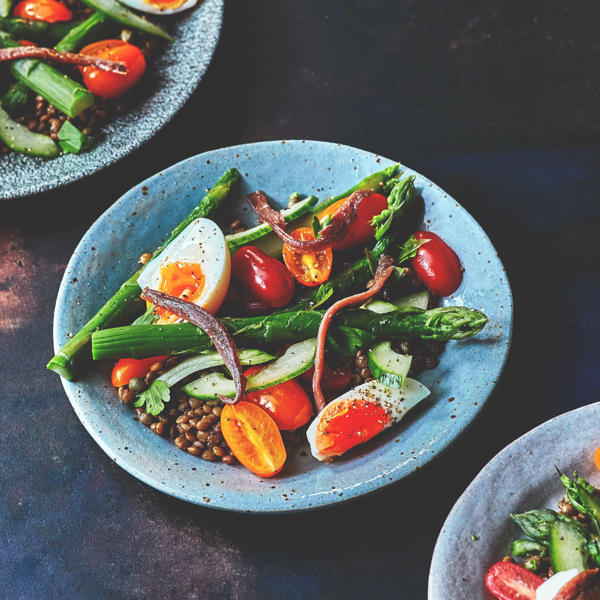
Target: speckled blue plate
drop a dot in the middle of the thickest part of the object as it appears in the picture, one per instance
(521, 477)
(108, 253)
(173, 75)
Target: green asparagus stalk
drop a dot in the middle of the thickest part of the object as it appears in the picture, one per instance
(126, 299)
(440, 324)
(36, 31)
(82, 33)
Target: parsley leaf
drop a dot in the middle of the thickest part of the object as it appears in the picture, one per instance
(154, 397)
(409, 249)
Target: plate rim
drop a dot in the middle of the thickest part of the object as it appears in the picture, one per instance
(465, 497)
(359, 492)
(176, 106)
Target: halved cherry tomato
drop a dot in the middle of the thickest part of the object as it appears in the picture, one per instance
(437, 265)
(253, 438)
(265, 277)
(597, 458)
(26, 43)
(50, 11)
(333, 380)
(509, 581)
(128, 368)
(360, 230)
(111, 85)
(308, 269)
(286, 402)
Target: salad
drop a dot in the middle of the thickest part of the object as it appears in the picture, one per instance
(313, 324)
(65, 68)
(558, 555)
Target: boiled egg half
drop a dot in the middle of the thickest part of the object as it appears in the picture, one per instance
(550, 588)
(195, 266)
(160, 7)
(360, 414)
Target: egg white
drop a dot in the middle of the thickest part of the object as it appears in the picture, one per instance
(550, 588)
(147, 7)
(201, 242)
(396, 402)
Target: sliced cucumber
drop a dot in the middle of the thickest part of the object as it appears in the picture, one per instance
(296, 359)
(208, 361)
(379, 306)
(418, 300)
(388, 366)
(18, 138)
(237, 240)
(568, 547)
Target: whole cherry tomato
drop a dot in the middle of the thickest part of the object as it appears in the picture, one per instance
(265, 277)
(360, 231)
(253, 437)
(128, 368)
(509, 581)
(287, 402)
(333, 380)
(50, 11)
(437, 265)
(308, 269)
(111, 85)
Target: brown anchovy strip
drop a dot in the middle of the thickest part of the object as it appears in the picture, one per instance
(220, 337)
(83, 60)
(384, 270)
(585, 586)
(335, 232)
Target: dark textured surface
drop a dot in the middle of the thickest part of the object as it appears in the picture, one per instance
(497, 103)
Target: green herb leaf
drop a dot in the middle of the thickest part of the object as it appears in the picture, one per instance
(409, 249)
(148, 318)
(401, 193)
(371, 261)
(154, 397)
(316, 226)
(594, 550)
(348, 340)
(70, 139)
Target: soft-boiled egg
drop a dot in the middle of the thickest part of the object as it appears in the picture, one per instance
(360, 414)
(160, 7)
(195, 266)
(550, 588)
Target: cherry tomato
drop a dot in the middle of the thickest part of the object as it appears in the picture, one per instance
(287, 402)
(111, 85)
(360, 230)
(509, 581)
(308, 269)
(437, 265)
(597, 458)
(50, 11)
(265, 277)
(128, 368)
(253, 437)
(26, 43)
(333, 380)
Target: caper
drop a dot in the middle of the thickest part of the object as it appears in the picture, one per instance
(137, 384)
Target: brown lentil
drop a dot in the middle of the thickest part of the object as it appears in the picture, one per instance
(194, 450)
(181, 442)
(126, 396)
(146, 419)
(144, 258)
(157, 366)
(208, 455)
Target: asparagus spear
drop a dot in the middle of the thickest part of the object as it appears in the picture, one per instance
(79, 35)
(121, 305)
(15, 98)
(441, 324)
(34, 30)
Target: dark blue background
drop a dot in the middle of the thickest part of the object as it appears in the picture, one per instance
(495, 101)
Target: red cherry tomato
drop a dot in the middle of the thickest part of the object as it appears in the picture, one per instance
(128, 368)
(437, 265)
(287, 402)
(266, 278)
(509, 581)
(111, 85)
(360, 230)
(26, 43)
(333, 380)
(50, 11)
(308, 269)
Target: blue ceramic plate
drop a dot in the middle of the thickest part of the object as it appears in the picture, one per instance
(521, 477)
(108, 253)
(172, 76)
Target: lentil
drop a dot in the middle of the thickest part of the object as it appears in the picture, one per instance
(144, 258)
(126, 396)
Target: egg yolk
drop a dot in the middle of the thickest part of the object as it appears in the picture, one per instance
(344, 425)
(182, 280)
(166, 4)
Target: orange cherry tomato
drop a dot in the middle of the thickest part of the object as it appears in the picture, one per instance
(286, 402)
(360, 230)
(253, 437)
(597, 458)
(308, 269)
(111, 85)
(50, 11)
(128, 368)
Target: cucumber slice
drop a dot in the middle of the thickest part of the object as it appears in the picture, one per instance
(379, 306)
(237, 240)
(18, 138)
(388, 366)
(209, 360)
(568, 547)
(418, 300)
(296, 359)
